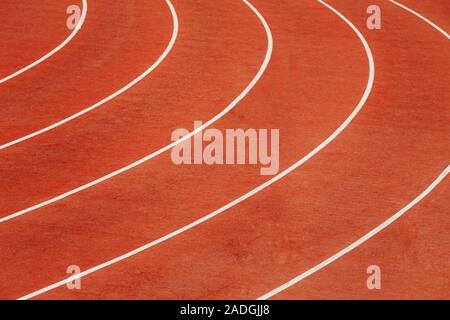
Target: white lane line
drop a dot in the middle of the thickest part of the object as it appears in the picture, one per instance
(115, 94)
(358, 242)
(241, 96)
(51, 53)
(422, 17)
(247, 195)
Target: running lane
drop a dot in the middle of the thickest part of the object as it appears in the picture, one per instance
(184, 89)
(412, 251)
(387, 156)
(411, 255)
(117, 43)
(159, 197)
(29, 30)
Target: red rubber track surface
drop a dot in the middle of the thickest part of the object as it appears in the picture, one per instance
(389, 154)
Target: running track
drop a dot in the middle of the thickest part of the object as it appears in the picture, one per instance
(386, 89)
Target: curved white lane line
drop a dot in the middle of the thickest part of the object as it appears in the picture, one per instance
(422, 17)
(241, 96)
(358, 242)
(58, 48)
(115, 94)
(247, 195)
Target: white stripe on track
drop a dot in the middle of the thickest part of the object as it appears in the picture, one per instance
(241, 96)
(51, 53)
(115, 94)
(252, 192)
(358, 242)
(422, 17)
